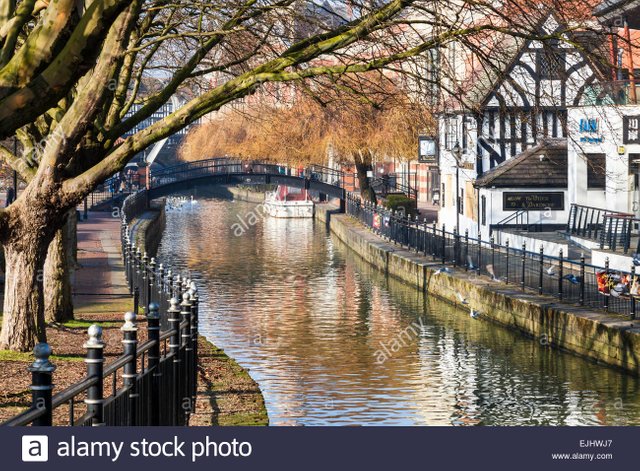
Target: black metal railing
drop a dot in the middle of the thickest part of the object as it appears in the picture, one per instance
(570, 281)
(615, 231)
(620, 233)
(153, 383)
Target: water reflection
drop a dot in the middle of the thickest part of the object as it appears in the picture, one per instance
(331, 340)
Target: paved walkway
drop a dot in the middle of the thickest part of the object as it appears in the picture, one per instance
(99, 284)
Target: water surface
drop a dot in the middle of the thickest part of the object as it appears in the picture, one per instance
(332, 341)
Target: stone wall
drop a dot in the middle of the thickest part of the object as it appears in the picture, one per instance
(603, 337)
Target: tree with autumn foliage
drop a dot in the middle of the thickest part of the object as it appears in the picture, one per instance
(356, 122)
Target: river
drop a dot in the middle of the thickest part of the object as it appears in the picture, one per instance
(332, 341)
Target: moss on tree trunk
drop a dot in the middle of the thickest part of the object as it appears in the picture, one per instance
(58, 270)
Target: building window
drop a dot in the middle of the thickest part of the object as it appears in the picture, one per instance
(461, 202)
(551, 64)
(596, 171)
(450, 133)
(483, 210)
(443, 197)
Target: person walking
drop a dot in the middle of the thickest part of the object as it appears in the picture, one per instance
(11, 196)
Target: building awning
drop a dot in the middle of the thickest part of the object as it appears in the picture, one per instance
(610, 11)
(543, 166)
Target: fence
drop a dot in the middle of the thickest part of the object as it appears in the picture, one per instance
(572, 282)
(152, 383)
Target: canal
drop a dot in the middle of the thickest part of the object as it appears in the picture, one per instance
(331, 341)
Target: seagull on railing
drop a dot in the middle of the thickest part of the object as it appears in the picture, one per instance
(573, 279)
(474, 314)
(462, 299)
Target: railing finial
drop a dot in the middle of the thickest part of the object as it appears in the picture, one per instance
(42, 352)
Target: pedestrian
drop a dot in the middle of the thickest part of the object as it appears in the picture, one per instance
(11, 196)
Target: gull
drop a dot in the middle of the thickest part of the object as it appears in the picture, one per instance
(474, 314)
(439, 271)
(551, 271)
(470, 263)
(462, 299)
(573, 279)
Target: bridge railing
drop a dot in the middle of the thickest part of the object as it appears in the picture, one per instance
(314, 173)
(573, 282)
(151, 383)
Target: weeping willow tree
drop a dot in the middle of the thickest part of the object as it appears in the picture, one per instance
(79, 80)
(357, 121)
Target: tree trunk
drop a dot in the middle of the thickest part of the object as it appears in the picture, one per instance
(363, 166)
(23, 319)
(58, 270)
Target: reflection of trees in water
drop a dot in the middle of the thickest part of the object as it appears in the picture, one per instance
(506, 375)
(308, 316)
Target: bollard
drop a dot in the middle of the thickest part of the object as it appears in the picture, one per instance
(129, 374)
(153, 334)
(42, 384)
(95, 367)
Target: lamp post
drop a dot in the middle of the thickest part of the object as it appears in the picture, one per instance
(457, 155)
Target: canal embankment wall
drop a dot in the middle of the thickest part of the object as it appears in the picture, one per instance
(606, 338)
(247, 194)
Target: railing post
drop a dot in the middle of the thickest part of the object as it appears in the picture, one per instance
(492, 240)
(606, 270)
(633, 299)
(561, 275)
(507, 267)
(456, 243)
(185, 342)
(466, 249)
(523, 279)
(174, 349)
(433, 240)
(444, 245)
(193, 291)
(582, 273)
(95, 367)
(136, 300)
(130, 373)
(153, 334)
(479, 266)
(41, 384)
(151, 280)
(541, 279)
(145, 280)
